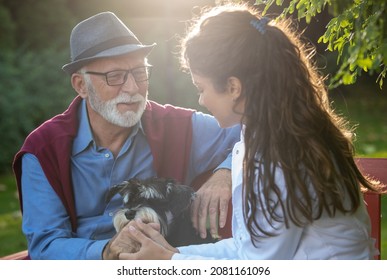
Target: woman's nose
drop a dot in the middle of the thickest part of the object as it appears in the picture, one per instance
(200, 101)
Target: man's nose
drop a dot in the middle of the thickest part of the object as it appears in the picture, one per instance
(130, 84)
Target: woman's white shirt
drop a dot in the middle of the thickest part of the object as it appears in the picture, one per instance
(341, 237)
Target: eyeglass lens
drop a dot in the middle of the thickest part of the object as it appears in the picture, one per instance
(118, 77)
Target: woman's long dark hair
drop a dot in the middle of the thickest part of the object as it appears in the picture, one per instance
(289, 123)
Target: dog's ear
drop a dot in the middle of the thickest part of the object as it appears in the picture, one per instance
(114, 190)
(170, 186)
(152, 189)
(179, 197)
(125, 189)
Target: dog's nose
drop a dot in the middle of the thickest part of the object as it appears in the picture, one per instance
(130, 214)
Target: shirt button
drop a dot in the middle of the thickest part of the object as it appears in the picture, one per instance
(111, 214)
(107, 155)
(237, 152)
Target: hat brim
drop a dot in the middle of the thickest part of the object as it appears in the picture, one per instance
(72, 67)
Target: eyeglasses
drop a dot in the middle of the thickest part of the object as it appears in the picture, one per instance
(119, 77)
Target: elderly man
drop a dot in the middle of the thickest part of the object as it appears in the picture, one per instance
(111, 132)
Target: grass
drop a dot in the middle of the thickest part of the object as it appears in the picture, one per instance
(367, 112)
(11, 238)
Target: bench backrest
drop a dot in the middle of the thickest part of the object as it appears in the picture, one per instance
(377, 169)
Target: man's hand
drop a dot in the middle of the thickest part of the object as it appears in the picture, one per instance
(153, 245)
(212, 201)
(121, 242)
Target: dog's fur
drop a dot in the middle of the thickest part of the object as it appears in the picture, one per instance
(162, 201)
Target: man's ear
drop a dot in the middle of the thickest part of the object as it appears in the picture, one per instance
(79, 84)
(234, 87)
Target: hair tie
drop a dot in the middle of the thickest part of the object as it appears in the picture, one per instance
(260, 24)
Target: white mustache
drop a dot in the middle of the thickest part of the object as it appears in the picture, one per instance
(125, 98)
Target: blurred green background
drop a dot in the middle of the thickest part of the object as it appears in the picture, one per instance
(34, 38)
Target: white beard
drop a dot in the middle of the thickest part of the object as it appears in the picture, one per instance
(109, 111)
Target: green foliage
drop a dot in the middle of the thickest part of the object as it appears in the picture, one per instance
(42, 23)
(366, 114)
(357, 32)
(7, 29)
(11, 237)
(33, 88)
(33, 46)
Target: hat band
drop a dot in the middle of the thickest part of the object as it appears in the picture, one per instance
(114, 42)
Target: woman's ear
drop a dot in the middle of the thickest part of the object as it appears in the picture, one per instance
(79, 84)
(234, 87)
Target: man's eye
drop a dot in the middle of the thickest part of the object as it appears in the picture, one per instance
(116, 75)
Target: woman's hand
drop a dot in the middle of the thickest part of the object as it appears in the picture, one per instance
(153, 245)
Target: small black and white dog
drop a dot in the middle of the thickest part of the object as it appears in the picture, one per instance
(162, 201)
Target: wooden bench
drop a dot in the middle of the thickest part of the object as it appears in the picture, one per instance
(374, 167)
(22, 255)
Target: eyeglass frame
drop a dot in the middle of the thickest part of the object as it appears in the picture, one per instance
(127, 72)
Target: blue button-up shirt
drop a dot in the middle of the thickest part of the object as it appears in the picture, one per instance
(94, 169)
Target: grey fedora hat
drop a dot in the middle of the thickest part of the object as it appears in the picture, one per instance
(100, 36)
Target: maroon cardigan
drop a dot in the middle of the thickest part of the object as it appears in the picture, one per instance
(167, 128)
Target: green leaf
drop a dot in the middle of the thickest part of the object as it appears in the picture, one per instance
(344, 23)
(365, 63)
(357, 32)
(348, 78)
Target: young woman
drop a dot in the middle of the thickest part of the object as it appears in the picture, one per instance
(296, 188)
